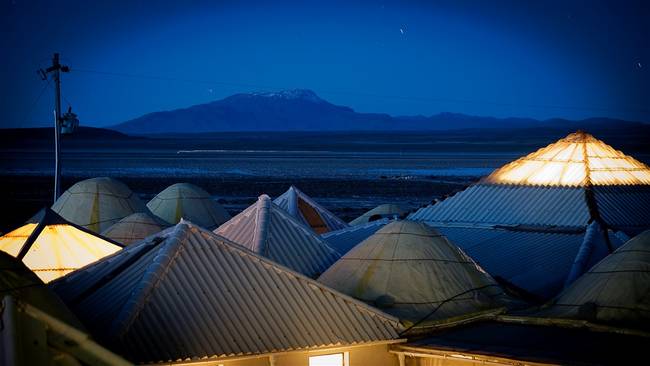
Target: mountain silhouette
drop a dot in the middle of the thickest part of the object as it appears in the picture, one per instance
(303, 110)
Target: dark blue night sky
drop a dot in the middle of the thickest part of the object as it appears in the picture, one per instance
(572, 59)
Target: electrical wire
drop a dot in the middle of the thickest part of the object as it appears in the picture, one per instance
(32, 106)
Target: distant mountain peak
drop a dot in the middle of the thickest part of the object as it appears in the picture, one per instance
(303, 94)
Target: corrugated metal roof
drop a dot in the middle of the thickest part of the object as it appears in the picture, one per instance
(625, 208)
(268, 230)
(537, 261)
(510, 205)
(345, 239)
(232, 301)
(291, 200)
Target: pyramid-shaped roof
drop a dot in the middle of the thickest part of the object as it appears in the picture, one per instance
(576, 160)
(388, 210)
(557, 186)
(268, 230)
(413, 272)
(97, 203)
(54, 247)
(134, 228)
(305, 209)
(232, 301)
(187, 201)
(616, 290)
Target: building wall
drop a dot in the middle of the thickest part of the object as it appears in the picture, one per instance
(376, 355)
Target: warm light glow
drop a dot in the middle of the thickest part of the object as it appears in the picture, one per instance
(327, 360)
(575, 160)
(58, 250)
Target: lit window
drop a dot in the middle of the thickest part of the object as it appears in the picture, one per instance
(336, 359)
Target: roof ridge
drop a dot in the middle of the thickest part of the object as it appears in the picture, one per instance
(150, 279)
(262, 224)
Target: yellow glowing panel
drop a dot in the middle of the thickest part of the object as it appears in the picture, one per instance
(13, 241)
(576, 160)
(550, 173)
(58, 250)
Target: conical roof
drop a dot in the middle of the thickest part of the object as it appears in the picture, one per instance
(576, 160)
(308, 211)
(97, 203)
(203, 296)
(616, 290)
(386, 210)
(54, 247)
(134, 227)
(413, 272)
(268, 230)
(187, 201)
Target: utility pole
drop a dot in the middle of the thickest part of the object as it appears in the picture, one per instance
(56, 69)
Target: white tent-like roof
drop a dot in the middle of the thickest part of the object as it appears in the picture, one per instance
(97, 203)
(388, 210)
(270, 231)
(54, 247)
(305, 209)
(413, 272)
(616, 290)
(134, 228)
(187, 201)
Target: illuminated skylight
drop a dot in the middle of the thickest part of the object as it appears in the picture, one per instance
(58, 249)
(576, 160)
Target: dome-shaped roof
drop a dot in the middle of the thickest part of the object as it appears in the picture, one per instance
(187, 201)
(97, 203)
(381, 211)
(616, 290)
(413, 272)
(134, 228)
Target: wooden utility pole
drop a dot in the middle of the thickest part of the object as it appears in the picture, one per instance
(56, 69)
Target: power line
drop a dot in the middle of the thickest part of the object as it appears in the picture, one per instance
(370, 95)
(32, 106)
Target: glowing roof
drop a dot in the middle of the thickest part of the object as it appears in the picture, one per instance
(53, 247)
(576, 160)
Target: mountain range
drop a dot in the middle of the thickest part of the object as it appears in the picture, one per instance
(303, 110)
